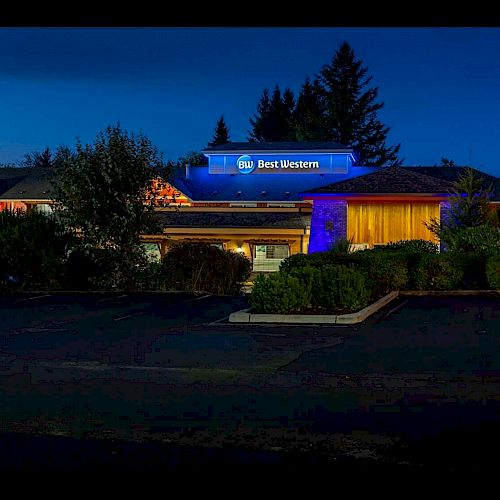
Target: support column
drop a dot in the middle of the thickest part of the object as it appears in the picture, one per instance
(328, 224)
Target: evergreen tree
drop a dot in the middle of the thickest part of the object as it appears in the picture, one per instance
(350, 109)
(221, 134)
(273, 121)
(287, 116)
(260, 125)
(37, 159)
(308, 115)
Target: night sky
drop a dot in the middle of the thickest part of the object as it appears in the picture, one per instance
(439, 85)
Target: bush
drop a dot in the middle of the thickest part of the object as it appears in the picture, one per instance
(493, 271)
(311, 279)
(472, 267)
(200, 267)
(438, 272)
(341, 288)
(316, 260)
(279, 293)
(341, 245)
(479, 240)
(412, 246)
(32, 250)
(385, 271)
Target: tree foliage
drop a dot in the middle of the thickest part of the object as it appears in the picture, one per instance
(104, 193)
(350, 109)
(469, 223)
(274, 119)
(446, 162)
(47, 158)
(33, 249)
(338, 106)
(221, 134)
(308, 114)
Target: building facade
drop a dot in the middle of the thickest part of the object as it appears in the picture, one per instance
(272, 200)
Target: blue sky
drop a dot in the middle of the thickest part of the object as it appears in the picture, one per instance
(439, 85)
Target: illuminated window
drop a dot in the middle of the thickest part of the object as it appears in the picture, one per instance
(44, 208)
(269, 257)
(220, 246)
(152, 251)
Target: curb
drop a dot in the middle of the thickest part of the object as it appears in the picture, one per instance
(244, 316)
(447, 293)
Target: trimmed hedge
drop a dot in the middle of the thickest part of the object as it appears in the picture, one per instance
(329, 289)
(438, 272)
(412, 246)
(342, 288)
(385, 271)
(279, 293)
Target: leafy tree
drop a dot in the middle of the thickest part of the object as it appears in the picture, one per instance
(193, 159)
(350, 109)
(446, 162)
(308, 114)
(274, 120)
(102, 193)
(221, 134)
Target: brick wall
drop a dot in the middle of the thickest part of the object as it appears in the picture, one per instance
(328, 224)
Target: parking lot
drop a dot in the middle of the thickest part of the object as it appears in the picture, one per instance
(168, 367)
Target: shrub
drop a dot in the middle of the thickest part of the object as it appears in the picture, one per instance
(412, 246)
(438, 272)
(493, 271)
(479, 240)
(315, 260)
(279, 293)
(310, 278)
(472, 267)
(32, 250)
(199, 267)
(341, 287)
(341, 245)
(385, 271)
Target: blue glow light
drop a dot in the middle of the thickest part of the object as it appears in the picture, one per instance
(328, 224)
(280, 163)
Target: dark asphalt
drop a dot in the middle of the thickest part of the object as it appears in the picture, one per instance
(416, 385)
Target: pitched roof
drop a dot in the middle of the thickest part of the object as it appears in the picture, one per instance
(186, 218)
(32, 184)
(202, 186)
(277, 146)
(10, 176)
(388, 180)
(452, 174)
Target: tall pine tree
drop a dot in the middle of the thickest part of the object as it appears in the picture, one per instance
(273, 121)
(308, 118)
(221, 134)
(350, 109)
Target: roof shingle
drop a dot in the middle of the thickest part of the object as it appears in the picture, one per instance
(388, 180)
(282, 220)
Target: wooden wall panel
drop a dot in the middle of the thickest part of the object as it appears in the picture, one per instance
(385, 222)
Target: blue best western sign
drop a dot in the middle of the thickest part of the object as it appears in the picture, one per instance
(253, 164)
